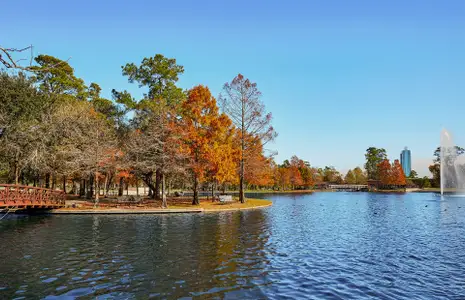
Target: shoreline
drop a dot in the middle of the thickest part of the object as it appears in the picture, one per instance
(207, 208)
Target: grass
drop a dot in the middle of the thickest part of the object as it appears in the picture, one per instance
(209, 205)
(173, 203)
(276, 192)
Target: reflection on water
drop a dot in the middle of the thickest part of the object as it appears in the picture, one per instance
(166, 255)
(323, 245)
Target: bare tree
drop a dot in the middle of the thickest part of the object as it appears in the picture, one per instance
(241, 101)
(142, 148)
(7, 58)
(152, 148)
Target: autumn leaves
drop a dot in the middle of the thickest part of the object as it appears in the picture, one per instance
(206, 140)
(391, 174)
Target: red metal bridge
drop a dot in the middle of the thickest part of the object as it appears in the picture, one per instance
(27, 197)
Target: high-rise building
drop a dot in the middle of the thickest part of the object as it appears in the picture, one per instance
(406, 161)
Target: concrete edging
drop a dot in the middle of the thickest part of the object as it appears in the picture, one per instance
(124, 211)
(237, 208)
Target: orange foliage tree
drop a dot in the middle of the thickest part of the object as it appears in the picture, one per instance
(398, 176)
(296, 174)
(284, 177)
(391, 174)
(203, 131)
(385, 172)
(258, 169)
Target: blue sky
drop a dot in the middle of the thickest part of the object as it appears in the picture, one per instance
(338, 76)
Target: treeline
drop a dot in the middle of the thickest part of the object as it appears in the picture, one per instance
(57, 131)
(379, 168)
(299, 174)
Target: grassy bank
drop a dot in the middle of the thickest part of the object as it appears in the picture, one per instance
(280, 192)
(175, 204)
(214, 206)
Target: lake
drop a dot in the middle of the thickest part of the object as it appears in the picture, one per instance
(314, 246)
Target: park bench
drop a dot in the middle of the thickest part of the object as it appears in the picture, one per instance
(225, 199)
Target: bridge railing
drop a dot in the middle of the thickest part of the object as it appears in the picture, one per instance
(22, 195)
(347, 186)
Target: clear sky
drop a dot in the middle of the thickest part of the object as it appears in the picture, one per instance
(338, 76)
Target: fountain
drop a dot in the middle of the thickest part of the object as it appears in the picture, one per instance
(452, 171)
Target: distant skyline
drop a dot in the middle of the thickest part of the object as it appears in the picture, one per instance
(338, 76)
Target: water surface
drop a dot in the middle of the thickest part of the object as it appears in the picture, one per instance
(323, 245)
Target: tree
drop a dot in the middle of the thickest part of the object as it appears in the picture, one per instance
(21, 114)
(159, 74)
(56, 76)
(397, 173)
(330, 174)
(385, 172)
(10, 61)
(201, 126)
(435, 170)
(106, 107)
(305, 170)
(413, 174)
(360, 177)
(350, 177)
(374, 156)
(295, 175)
(241, 101)
(426, 182)
(78, 140)
(284, 177)
(258, 171)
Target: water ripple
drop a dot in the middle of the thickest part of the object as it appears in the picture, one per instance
(324, 245)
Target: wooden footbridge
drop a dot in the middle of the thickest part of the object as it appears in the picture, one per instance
(348, 187)
(22, 197)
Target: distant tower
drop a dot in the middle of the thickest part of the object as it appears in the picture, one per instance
(406, 161)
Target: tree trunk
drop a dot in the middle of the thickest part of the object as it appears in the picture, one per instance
(149, 182)
(157, 184)
(90, 192)
(241, 184)
(82, 188)
(241, 179)
(195, 188)
(64, 184)
(54, 181)
(47, 180)
(137, 186)
(16, 174)
(121, 186)
(213, 191)
(16, 168)
(164, 204)
(97, 190)
(105, 186)
(108, 184)
(23, 178)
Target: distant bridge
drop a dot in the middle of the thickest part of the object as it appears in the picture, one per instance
(348, 187)
(20, 197)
